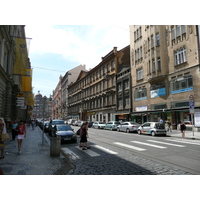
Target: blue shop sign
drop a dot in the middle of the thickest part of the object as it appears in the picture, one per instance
(158, 93)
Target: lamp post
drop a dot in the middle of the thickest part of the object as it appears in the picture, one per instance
(44, 103)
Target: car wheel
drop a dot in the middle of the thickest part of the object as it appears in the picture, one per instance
(118, 129)
(128, 130)
(139, 132)
(153, 133)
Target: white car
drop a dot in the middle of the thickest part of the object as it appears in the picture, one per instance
(153, 128)
(99, 125)
(128, 127)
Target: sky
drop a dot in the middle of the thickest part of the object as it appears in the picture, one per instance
(55, 49)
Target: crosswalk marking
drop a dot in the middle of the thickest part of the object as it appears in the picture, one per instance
(183, 141)
(105, 149)
(129, 146)
(71, 153)
(89, 152)
(176, 145)
(151, 145)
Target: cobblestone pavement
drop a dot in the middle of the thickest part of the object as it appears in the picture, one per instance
(114, 165)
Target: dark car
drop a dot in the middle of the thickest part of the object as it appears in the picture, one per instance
(46, 126)
(52, 125)
(90, 124)
(65, 132)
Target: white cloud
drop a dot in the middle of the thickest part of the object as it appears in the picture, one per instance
(82, 44)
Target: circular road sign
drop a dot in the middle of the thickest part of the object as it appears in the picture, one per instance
(191, 97)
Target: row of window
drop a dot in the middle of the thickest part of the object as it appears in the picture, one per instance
(126, 85)
(155, 65)
(127, 103)
(95, 76)
(95, 89)
(179, 84)
(177, 31)
(95, 104)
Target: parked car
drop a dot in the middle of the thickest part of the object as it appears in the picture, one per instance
(112, 125)
(128, 127)
(90, 124)
(46, 126)
(70, 121)
(74, 123)
(153, 128)
(100, 125)
(79, 123)
(65, 132)
(52, 125)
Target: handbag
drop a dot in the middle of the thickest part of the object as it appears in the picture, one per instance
(5, 136)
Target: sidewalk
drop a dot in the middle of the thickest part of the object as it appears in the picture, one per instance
(34, 159)
(188, 134)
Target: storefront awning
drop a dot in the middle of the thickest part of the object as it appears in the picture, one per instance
(122, 113)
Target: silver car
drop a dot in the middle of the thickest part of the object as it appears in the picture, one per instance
(153, 128)
(100, 125)
(128, 127)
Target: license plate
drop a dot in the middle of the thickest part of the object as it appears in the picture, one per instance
(67, 138)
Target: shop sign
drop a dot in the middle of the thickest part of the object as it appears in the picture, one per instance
(141, 108)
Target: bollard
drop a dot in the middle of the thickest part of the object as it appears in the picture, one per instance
(55, 146)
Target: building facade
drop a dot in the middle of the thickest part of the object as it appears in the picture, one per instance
(10, 82)
(93, 96)
(69, 77)
(165, 72)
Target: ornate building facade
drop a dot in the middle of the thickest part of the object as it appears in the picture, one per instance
(165, 71)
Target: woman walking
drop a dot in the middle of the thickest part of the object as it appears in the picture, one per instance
(21, 129)
(2, 131)
(14, 132)
(84, 135)
(182, 128)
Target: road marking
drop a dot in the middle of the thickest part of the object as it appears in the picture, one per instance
(129, 146)
(89, 152)
(151, 145)
(183, 141)
(177, 145)
(71, 153)
(105, 149)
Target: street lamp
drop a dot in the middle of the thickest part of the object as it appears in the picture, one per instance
(44, 103)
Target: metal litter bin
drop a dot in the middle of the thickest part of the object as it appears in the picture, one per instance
(55, 146)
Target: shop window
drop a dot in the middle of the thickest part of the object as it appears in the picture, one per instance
(181, 84)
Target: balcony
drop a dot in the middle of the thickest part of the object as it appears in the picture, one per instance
(155, 77)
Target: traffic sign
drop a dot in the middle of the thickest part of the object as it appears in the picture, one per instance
(191, 97)
(191, 104)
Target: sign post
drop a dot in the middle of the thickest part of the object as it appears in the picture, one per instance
(191, 105)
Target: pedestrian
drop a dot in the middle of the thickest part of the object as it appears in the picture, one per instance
(84, 135)
(2, 131)
(182, 128)
(169, 126)
(32, 124)
(21, 129)
(13, 127)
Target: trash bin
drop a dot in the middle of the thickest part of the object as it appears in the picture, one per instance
(55, 146)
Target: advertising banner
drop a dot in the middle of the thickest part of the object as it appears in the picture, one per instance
(21, 58)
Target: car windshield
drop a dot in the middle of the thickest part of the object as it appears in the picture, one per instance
(58, 122)
(101, 123)
(133, 123)
(160, 126)
(117, 122)
(64, 128)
